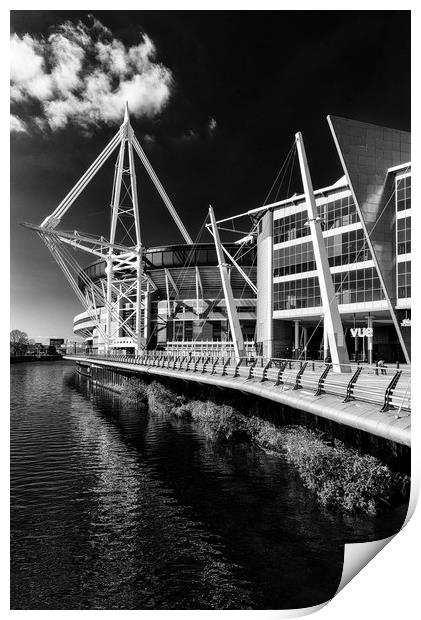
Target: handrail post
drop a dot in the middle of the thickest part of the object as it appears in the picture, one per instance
(205, 364)
(237, 366)
(322, 380)
(265, 369)
(252, 365)
(297, 385)
(389, 391)
(224, 369)
(213, 365)
(279, 379)
(351, 383)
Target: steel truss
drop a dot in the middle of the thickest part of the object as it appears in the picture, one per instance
(124, 296)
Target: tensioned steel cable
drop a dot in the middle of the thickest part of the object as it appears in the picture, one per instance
(286, 160)
(285, 166)
(180, 280)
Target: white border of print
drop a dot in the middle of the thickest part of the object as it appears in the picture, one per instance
(387, 587)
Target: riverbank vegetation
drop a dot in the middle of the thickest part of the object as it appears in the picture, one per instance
(340, 476)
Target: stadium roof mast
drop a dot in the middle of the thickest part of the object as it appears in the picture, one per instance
(120, 257)
(125, 218)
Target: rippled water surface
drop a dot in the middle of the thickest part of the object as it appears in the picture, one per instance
(118, 508)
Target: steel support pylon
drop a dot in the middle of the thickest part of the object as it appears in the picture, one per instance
(332, 317)
(234, 322)
(125, 294)
(125, 270)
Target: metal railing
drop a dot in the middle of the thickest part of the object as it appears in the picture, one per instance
(388, 385)
(208, 347)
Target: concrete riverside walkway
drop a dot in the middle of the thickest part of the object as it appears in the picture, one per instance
(360, 411)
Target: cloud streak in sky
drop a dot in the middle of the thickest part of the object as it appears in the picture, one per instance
(82, 75)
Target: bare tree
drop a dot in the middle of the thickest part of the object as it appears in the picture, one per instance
(18, 341)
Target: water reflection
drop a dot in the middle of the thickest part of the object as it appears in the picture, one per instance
(117, 508)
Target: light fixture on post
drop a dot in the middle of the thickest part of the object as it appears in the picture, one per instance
(315, 219)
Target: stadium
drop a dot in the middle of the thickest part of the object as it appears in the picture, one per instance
(184, 301)
(326, 272)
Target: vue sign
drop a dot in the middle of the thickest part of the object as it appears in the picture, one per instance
(362, 332)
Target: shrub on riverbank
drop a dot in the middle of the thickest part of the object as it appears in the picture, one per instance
(134, 390)
(161, 399)
(219, 421)
(339, 475)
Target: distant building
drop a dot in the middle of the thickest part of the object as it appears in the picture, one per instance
(74, 346)
(56, 345)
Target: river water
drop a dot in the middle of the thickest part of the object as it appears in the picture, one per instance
(118, 508)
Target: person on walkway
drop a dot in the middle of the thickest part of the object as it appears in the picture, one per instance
(382, 367)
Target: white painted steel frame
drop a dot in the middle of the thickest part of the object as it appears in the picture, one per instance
(236, 333)
(332, 318)
(118, 257)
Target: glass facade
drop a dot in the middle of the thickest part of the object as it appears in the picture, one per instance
(357, 286)
(403, 193)
(342, 249)
(338, 212)
(404, 279)
(334, 213)
(347, 248)
(345, 244)
(290, 227)
(294, 259)
(404, 235)
(292, 294)
(201, 255)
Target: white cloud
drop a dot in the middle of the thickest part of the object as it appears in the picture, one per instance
(83, 75)
(212, 124)
(17, 124)
(27, 72)
(66, 57)
(113, 56)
